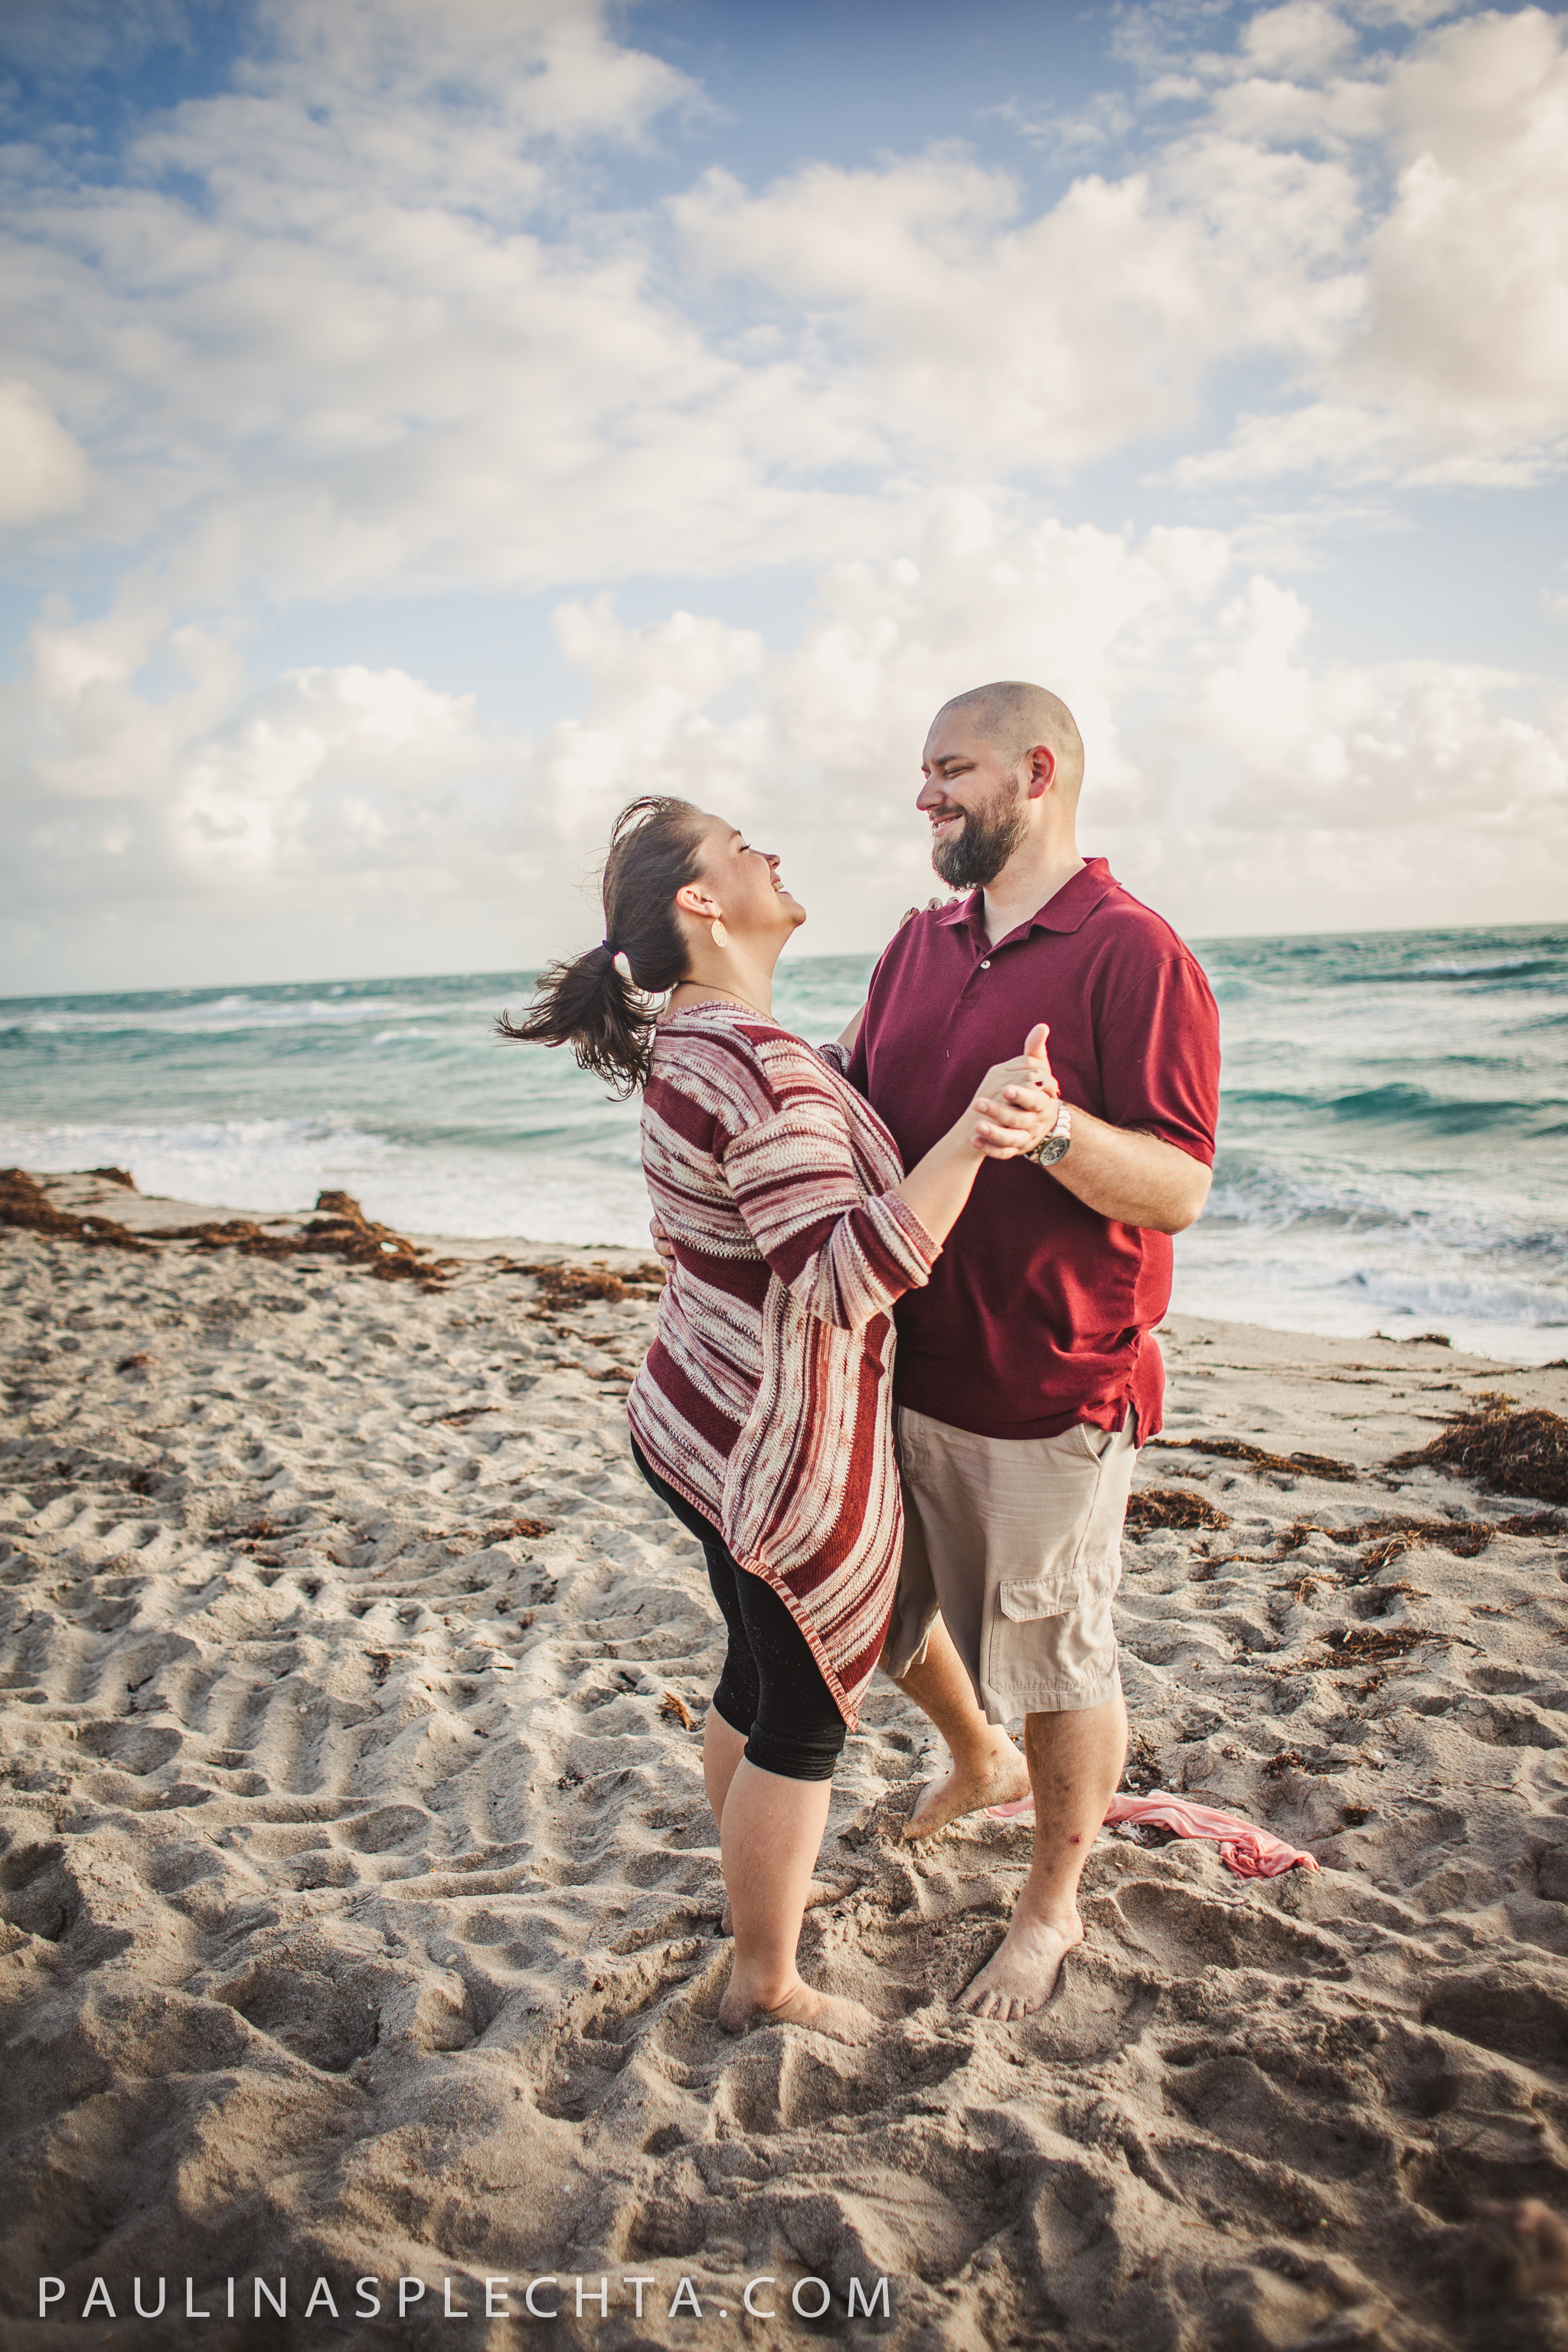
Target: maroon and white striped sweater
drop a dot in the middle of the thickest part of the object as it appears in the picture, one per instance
(766, 1398)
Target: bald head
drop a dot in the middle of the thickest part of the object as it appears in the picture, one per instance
(1014, 716)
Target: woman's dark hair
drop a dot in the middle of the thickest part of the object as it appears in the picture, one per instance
(655, 847)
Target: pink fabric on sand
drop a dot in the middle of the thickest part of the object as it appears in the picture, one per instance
(1250, 1851)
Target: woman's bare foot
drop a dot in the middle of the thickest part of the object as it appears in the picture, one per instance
(1021, 1974)
(820, 1891)
(998, 1777)
(821, 2012)
(1522, 2250)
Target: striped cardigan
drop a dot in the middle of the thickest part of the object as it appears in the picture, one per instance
(766, 1397)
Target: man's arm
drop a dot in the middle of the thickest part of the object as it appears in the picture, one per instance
(1138, 1180)
(1123, 1173)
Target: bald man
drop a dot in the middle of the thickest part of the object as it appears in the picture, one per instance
(1027, 1372)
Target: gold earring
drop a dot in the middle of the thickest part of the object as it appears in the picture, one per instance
(720, 936)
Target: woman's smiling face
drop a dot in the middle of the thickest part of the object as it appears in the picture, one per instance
(745, 882)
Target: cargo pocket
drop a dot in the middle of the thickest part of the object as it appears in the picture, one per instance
(1023, 1648)
(1020, 1604)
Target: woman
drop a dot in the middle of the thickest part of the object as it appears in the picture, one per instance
(762, 1414)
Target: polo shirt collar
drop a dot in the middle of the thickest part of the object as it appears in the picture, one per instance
(1067, 911)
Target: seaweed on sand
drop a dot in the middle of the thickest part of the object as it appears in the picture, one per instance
(1236, 1449)
(566, 1286)
(340, 1228)
(1510, 1451)
(1171, 1506)
(25, 1203)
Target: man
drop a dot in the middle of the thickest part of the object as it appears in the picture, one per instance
(1027, 1372)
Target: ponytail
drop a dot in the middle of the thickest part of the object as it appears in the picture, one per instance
(586, 1003)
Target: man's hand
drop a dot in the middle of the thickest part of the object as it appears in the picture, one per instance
(662, 1243)
(1034, 1051)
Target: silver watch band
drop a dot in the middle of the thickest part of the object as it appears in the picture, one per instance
(1054, 1145)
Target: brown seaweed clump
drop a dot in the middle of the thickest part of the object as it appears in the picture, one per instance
(1387, 1539)
(25, 1203)
(1236, 1449)
(562, 1287)
(340, 1228)
(1171, 1506)
(1513, 1453)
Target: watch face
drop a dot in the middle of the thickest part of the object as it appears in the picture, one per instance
(1053, 1149)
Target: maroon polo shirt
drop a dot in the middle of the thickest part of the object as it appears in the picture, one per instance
(1039, 1311)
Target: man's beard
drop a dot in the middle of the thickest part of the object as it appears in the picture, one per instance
(985, 842)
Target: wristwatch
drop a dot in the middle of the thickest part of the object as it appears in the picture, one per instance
(1053, 1146)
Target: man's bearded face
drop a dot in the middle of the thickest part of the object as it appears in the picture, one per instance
(973, 856)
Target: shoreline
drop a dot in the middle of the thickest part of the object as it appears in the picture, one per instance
(360, 1904)
(151, 1211)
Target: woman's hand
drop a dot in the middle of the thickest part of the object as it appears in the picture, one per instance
(1016, 1107)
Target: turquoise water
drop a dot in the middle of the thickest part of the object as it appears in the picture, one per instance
(1393, 1146)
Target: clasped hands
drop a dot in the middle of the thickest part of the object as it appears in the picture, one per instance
(1016, 1107)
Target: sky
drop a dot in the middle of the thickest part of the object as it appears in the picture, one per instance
(426, 424)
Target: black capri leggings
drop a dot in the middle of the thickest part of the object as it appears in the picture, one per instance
(772, 1687)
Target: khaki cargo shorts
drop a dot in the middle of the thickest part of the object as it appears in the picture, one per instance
(1017, 1540)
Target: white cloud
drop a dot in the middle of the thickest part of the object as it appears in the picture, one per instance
(364, 322)
(1007, 347)
(1235, 778)
(44, 471)
(1412, 748)
(332, 771)
(649, 729)
(357, 325)
(1303, 37)
(545, 66)
(1447, 361)
(1467, 334)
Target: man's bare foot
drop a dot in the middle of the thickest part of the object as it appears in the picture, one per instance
(1002, 1777)
(1021, 1974)
(820, 2012)
(820, 1891)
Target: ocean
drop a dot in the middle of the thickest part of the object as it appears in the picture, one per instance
(1393, 1140)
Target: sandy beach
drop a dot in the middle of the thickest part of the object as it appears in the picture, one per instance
(361, 1907)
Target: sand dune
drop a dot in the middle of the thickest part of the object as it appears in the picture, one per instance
(362, 1906)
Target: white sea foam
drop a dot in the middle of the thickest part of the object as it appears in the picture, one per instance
(212, 1016)
(280, 1165)
(1475, 968)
